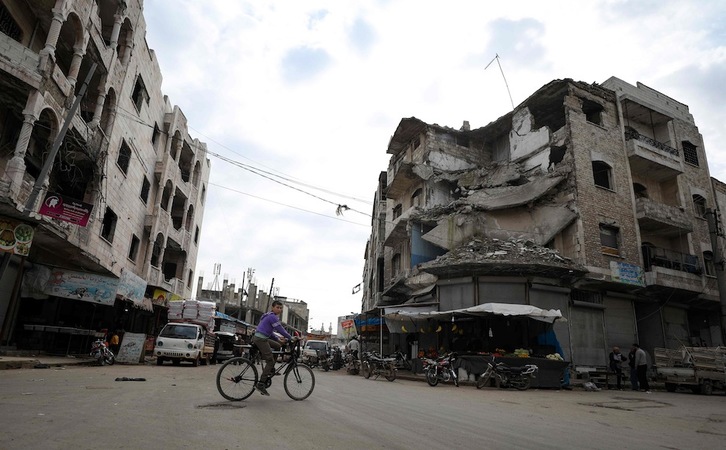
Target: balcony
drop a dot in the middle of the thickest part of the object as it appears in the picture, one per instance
(663, 220)
(399, 231)
(646, 155)
(670, 269)
(401, 178)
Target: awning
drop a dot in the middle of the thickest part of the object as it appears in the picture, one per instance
(503, 309)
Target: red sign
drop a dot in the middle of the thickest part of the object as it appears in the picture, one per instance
(66, 209)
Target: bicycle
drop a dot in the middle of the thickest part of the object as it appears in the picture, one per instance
(237, 378)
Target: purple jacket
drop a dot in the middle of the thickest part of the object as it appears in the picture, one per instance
(270, 322)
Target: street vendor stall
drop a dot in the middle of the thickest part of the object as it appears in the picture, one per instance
(518, 334)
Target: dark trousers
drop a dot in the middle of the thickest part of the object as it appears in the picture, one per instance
(618, 375)
(266, 346)
(643, 377)
(634, 378)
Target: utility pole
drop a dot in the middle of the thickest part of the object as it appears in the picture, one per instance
(33, 197)
(718, 261)
(270, 297)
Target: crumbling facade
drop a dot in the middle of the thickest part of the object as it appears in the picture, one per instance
(136, 179)
(587, 198)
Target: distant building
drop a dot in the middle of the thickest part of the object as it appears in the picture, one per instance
(587, 198)
(123, 201)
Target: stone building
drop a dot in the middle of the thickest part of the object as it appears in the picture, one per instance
(586, 198)
(117, 220)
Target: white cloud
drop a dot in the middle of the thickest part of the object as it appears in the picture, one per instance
(315, 89)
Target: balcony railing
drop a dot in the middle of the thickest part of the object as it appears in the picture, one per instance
(670, 259)
(632, 134)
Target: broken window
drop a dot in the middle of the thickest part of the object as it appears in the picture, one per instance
(139, 96)
(395, 264)
(640, 190)
(124, 157)
(109, 225)
(609, 237)
(690, 153)
(134, 248)
(708, 264)
(593, 111)
(416, 198)
(699, 205)
(8, 25)
(397, 211)
(601, 172)
(155, 135)
(145, 190)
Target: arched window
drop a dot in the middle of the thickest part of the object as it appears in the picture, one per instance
(699, 205)
(601, 172)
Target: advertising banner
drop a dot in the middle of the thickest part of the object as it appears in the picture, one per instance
(66, 209)
(15, 236)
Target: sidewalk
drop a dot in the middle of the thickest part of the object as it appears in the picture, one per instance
(42, 361)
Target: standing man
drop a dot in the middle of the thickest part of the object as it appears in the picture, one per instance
(354, 347)
(616, 365)
(641, 365)
(265, 340)
(633, 370)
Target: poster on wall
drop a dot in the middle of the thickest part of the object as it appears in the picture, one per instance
(81, 286)
(132, 348)
(131, 287)
(15, 237)
(66, 209)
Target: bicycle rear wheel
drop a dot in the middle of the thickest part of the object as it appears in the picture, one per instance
(299, 381)
(236, 379)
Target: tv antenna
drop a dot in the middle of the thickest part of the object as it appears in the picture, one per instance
(496, 58)
(217, 271)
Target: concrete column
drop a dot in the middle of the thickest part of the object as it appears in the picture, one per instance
(53, 32)
(78, 52)
(98, 111)
(117, 20)
(15, 168)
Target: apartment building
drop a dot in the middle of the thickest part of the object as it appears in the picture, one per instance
(116, 214)
(587, 198)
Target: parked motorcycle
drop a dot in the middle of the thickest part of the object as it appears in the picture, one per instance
(401, 361)
(101, 352)
(352, 363)
(441, 369)
(505, 376)
(374, 364)
(317, 358)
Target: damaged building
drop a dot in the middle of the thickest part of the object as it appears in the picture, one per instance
(113, 232)
(586, 198)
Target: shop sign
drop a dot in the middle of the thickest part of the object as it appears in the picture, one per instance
(132, 348)
(82, 286)
(162, 297)
(627, 273)
(15, 237)
(66, 208)
(131, 287)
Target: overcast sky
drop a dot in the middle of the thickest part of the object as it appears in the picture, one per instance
(308, 93)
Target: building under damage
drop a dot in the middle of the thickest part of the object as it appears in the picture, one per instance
(116, 222)
(592, 199)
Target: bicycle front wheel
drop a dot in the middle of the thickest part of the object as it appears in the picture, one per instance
(299, 382)
(236, 379)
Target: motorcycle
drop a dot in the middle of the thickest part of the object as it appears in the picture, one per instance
(506, 376)
(352, 363)
(401, 361)
(101, 352)
(315, 358)
(441, 369)
(374, 364)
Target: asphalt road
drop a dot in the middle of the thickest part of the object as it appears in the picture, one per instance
(179, 408)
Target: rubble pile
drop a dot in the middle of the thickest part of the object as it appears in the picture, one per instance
(515, 251)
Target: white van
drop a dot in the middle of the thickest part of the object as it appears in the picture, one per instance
(181, 341)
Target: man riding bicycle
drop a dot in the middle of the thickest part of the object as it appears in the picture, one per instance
(266, 340)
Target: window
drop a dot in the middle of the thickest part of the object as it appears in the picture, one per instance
(708, 264)
(134, 248)
(699, 205)
(196, 235)
(155, 135)
(609, 239)
(190, 278)
(593, 111)
(124, 157)
(640, 190)
(108, 227)
(416, 199)
(601, 174)
(690, 153)
(139, 96)
(395, 264)
(397, 210)
(145, 190)
(8, 25)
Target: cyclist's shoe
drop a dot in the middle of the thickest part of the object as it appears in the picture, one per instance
(263, 390)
